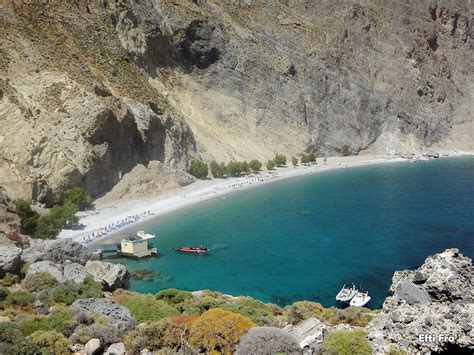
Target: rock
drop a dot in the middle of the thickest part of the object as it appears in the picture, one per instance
(440, 306)
(74, 272)
(92, 346)
(117, 315)
(145, 352)
(411, 293)
(10, 260)
(115, 349)
(4, 319)
(47, 266)
(112, 276)
(57, 251)
(309, 333)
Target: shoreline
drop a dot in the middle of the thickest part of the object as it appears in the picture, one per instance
(142, 211)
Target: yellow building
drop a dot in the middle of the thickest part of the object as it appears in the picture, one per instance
(137, 246)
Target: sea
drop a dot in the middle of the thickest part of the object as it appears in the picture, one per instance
(304, 238)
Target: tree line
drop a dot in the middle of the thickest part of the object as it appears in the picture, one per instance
(200, 169)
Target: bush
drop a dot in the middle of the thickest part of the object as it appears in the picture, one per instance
(78, 197)
(255, 165)
(146, 308)
(303, 310)
(306, 159)
(173, 296)
(272, 340)
(9, 280)
(198, 169)
(50, 224)
(258, 312)
(393, 350)
(38, 281)
(357, 316)
(69, 291)
(347, 342)
(14, 342)
(219, 330)
(28, 217)
(61, 321)
(20, 299)
(294, 161)
(235, 168)
(270, 165)
(3, 293)
(198, 305)
(50, 341)
(106, 333)
(280, 160)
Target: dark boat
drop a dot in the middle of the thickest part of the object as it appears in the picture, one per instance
(199, 250)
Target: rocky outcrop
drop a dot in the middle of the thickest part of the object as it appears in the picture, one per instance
(57, 251)
(115, 349)
(10, 260)
(431, 309)
(97, 89)
(116, 314)
(46, 267)
(112, 276)
(92, 346)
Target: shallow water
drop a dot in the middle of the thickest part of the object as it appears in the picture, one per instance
(301, 239)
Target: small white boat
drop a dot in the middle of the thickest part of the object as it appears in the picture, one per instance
(360, 299)
(346, 293)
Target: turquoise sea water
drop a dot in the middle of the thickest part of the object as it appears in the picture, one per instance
(302, 238)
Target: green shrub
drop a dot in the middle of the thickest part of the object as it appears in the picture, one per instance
(9, 280)
(255, 165)
(20, 299)
(303, 310)
(173, 296)
(147, 336)
(393, 350)
(39, 281)
(306, 159)
(78, 197)
(61, 321)
(50, 341)
(198, 169)
(198, 305)
(235, 168)
(59, 216)
(146, 308)
(28, 217)
(347, 342)
(106, 333)
(3, 293)
(280, 160)
(357, 316)
(294, 161)
(258, 312)
(270, 165)
(68, 292)
(218, 170)
(14, 341)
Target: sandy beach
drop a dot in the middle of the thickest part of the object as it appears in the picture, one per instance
(109, 223)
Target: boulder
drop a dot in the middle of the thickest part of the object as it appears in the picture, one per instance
(117, 315)
(115, 349)
(92, 346)
(10, 260)
(57, 251)
(112, 276)
(74, 272)
(47, 266)
(309, 333)
(411, 293)
(440, 305)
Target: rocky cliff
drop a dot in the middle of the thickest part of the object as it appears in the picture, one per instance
(90, 89)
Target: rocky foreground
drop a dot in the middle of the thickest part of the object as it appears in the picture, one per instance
(58, 300)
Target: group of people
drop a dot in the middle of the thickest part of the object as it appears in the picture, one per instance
(102, 232)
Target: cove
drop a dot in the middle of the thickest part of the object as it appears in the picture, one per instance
(303, 238)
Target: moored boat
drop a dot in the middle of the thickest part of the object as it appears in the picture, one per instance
(346, 293)
(360, 299)
(198, 250)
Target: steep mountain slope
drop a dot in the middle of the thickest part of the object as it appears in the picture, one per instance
(91, 89)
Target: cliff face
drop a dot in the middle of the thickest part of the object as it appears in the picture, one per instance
(91, 89)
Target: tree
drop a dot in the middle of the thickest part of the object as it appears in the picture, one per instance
(245, 167)
(294, 161)
(268, 340)
(306, 159)
(60, 216)
(198, 169)
(255, 165)
(234, 168)
(28, 217)
(79, 197)
(270, 165)
(347, 342)
(219, 330)
(215, 169)
(280, 160)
